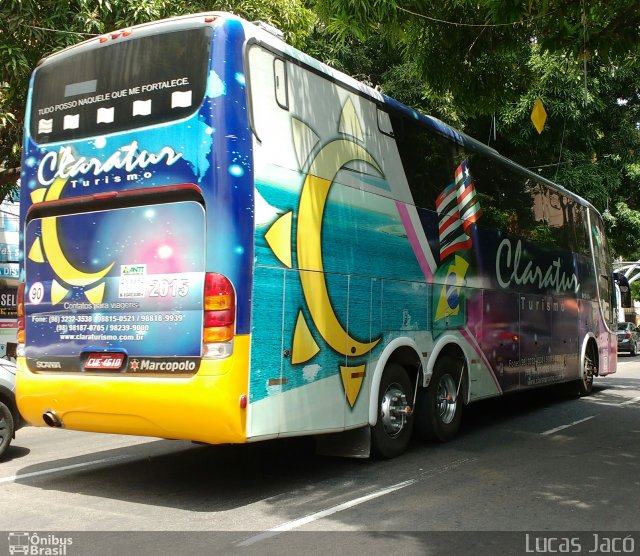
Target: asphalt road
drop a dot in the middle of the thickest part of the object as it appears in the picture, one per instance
(522, 468)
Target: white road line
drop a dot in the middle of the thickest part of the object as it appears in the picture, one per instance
(596, 400)
(14, 478)
(324, 513)
(562, 427)
(633, 400)
(290, 525)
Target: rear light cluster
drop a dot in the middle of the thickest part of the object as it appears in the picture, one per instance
(219, 316)
(127, 32)
(115, 35)
(20, 310)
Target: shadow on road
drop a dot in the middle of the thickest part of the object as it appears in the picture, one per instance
(193, 477)
(182, 475)
(15, 452)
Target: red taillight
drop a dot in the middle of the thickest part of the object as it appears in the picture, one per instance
(627, 335)
(219, 308)
(221, 317)
(20, 311)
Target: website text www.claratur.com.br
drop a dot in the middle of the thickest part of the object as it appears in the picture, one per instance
(104, 337)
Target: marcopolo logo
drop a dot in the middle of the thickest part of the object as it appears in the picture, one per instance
(39, 544)
(174, 365)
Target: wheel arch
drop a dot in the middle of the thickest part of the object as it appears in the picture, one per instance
(453, 346)
(450, 345)
(403, 351)
(590, 343)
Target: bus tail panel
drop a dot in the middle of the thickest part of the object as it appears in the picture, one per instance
(206, 407)
(116, 291)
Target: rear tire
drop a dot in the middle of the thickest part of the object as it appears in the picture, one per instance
(6, 428)
(634, 349)
(438, 407)
(585, 382)
(391, 434)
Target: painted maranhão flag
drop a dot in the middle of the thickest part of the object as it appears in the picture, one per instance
(458, 207)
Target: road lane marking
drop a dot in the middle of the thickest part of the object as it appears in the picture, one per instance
(562, 427)
(14, 478)
(598, 401)
(324, 513)
(290, 525)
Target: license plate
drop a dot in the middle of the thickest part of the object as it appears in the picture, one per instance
(104, 361)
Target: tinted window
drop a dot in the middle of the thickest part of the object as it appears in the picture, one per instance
(511, 202)
(517, 204)
(122, 85)
(429, 160)
(603, 268)
(578, 225)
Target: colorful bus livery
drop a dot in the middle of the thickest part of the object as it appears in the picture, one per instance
(232, 242)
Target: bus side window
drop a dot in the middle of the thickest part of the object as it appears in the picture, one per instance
(428, 159)
(582, 231)
(556, 208)
(384, 123)
(603, 268)
(280, 83)
(505, 197)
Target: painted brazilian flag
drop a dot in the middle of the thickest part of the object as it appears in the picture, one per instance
(449, 304)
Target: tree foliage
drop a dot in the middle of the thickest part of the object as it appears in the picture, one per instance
(32, 29)
(476, 64)
(480, 65)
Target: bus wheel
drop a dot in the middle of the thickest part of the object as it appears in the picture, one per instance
(586, 379)
(438, 407)
(392, 432)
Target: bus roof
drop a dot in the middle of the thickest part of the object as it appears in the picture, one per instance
(442, 128)
(261, 34)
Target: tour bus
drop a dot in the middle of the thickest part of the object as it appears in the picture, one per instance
(226, 241)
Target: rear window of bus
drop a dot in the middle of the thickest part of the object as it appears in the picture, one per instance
(125, 84)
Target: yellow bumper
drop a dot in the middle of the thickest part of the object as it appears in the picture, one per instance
(203, 408)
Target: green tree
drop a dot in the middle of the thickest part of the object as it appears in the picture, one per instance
(479, 65)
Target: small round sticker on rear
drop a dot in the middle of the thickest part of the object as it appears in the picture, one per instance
(36, 293)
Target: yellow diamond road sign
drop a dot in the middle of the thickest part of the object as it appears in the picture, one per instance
(538, 115)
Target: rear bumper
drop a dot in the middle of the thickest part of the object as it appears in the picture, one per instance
(203, 408)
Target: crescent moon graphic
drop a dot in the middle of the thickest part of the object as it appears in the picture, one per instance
(313, 199)
(54, 252)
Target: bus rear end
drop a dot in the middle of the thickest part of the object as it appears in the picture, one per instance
(136, 214)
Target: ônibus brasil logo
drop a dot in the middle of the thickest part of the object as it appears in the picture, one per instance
(48, 544)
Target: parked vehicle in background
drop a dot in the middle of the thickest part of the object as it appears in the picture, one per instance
(10, 419)
(628, 337)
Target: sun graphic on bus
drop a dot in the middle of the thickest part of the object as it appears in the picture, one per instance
(47, 248)
(321, 169)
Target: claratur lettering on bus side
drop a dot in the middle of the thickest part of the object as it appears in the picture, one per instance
(553, 277)
(64, 164)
